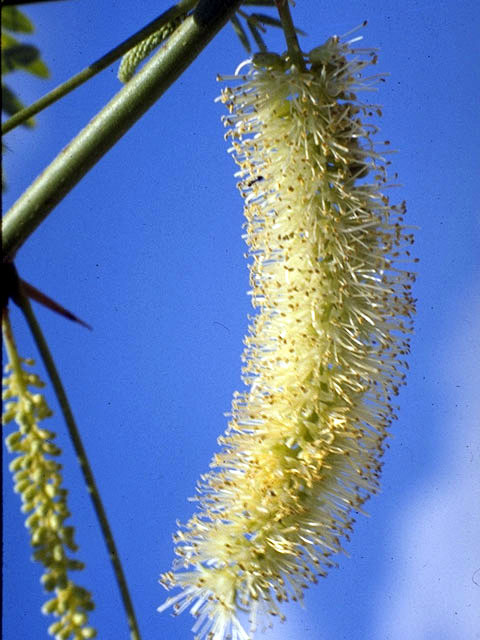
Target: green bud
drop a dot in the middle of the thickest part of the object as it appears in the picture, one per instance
(75, 565)
(21, 475)
(64, 634)
(33, 380)
(267, 60)
(13, 438)
(38, 537)
(45, 434)
(14, 442)
(62, 605)
(322, 54)
(16, 464)
(32, 521)
(54, 522)
(79, 619)
(38, 475)
(44, 556)
(43, 509)
(36, 447)
(50, 606)
(44, 412)
(58, 554)
(54, 628)
(20, 487)
(62, 510)
(49, 581)
(50, 490)
(68, 535)
(30, 492)
(51, 449)
(62, 581)
(9, 414)
(27, 506)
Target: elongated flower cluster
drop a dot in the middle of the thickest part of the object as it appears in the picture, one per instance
(324, 354)
(133, 58)
(38, 480)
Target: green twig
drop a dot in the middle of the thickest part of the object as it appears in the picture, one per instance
(109, 125)
(102, 63)
(294, 51)
(41, 343)
(12, 352)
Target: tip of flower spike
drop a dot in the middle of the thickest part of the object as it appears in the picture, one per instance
(215, 618)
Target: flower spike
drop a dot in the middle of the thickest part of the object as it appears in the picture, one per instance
(325, 352)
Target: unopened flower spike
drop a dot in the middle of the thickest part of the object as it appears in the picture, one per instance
(325, 353)
(133, 58)
(38, 480)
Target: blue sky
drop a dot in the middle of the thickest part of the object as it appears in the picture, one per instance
(148, 250)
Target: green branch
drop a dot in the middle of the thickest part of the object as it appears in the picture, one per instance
(102, 63)
(294, 51)
(81, 454)
(113, 121)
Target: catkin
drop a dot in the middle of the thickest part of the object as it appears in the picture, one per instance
(325, 353)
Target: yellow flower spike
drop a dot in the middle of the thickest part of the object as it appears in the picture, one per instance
(38, 481)
(325, 352)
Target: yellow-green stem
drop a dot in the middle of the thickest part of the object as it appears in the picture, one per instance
(99, 65)
(112, 122)
(12, 352)
(294, 51)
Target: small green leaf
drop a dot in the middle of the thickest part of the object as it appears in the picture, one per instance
(273, 22)
(38, 68)
(11, 104)
(16, 55)
(257, 36)
(15, 20)
(20, 56)
(240, 31)
(7, 42)
(265, 19)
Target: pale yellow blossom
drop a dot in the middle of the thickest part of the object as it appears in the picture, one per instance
(325, 353)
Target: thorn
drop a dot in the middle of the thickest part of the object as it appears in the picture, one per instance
(31, 292)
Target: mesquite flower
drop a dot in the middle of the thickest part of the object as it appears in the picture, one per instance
(38, 480)
(325, 352)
